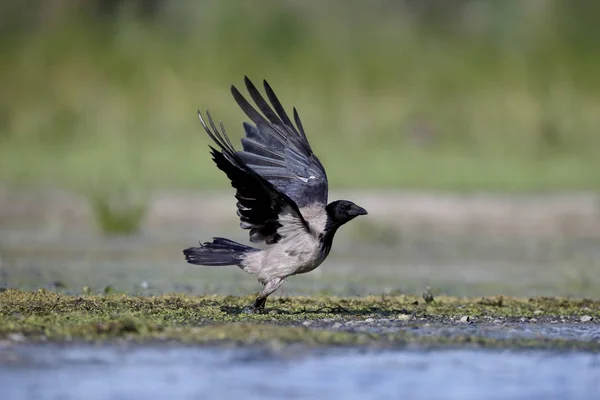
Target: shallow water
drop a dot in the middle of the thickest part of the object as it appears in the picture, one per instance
(111, 372)
(152, 262)
(574, 331)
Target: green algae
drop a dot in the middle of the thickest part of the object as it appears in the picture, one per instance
(45, 315)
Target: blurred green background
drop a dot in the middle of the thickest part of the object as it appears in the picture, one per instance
(448, 95)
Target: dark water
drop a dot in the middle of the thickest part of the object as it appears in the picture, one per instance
(86, 372)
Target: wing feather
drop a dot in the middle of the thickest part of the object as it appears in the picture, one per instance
(279, 151)
(260, 204)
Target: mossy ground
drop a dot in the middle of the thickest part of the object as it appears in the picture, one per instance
(45, 315)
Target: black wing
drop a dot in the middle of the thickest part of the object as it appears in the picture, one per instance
(260, 205)
(279, 152)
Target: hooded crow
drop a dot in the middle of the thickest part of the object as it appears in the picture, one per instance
(281, 188)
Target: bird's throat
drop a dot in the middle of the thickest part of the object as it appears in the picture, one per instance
(326, 240)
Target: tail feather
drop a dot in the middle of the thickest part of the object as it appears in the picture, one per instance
(220, 251)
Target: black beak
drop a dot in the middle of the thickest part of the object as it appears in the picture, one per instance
(356, 210)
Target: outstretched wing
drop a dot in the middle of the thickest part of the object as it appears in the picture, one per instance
(262, 208)
(279, 152)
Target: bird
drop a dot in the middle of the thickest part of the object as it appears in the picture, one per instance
(282, 196)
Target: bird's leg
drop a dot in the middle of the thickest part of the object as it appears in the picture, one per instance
(259, 304)
(261, 300)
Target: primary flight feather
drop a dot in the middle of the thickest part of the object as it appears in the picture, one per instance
(281, 188)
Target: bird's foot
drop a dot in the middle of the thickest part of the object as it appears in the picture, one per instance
(257, 308)
(253, 310)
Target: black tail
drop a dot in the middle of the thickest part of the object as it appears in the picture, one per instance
(220, 251)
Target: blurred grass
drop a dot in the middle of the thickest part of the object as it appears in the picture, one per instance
(463, 95)
(118, 214)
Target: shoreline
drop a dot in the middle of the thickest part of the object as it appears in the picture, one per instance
(370, 322)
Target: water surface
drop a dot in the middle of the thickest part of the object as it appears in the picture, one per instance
(113, 372)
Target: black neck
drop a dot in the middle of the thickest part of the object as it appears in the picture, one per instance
(326, 238)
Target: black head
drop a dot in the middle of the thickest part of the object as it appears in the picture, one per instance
(342, 211)
(338, 213)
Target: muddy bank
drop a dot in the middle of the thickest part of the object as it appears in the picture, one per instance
(383, 321)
